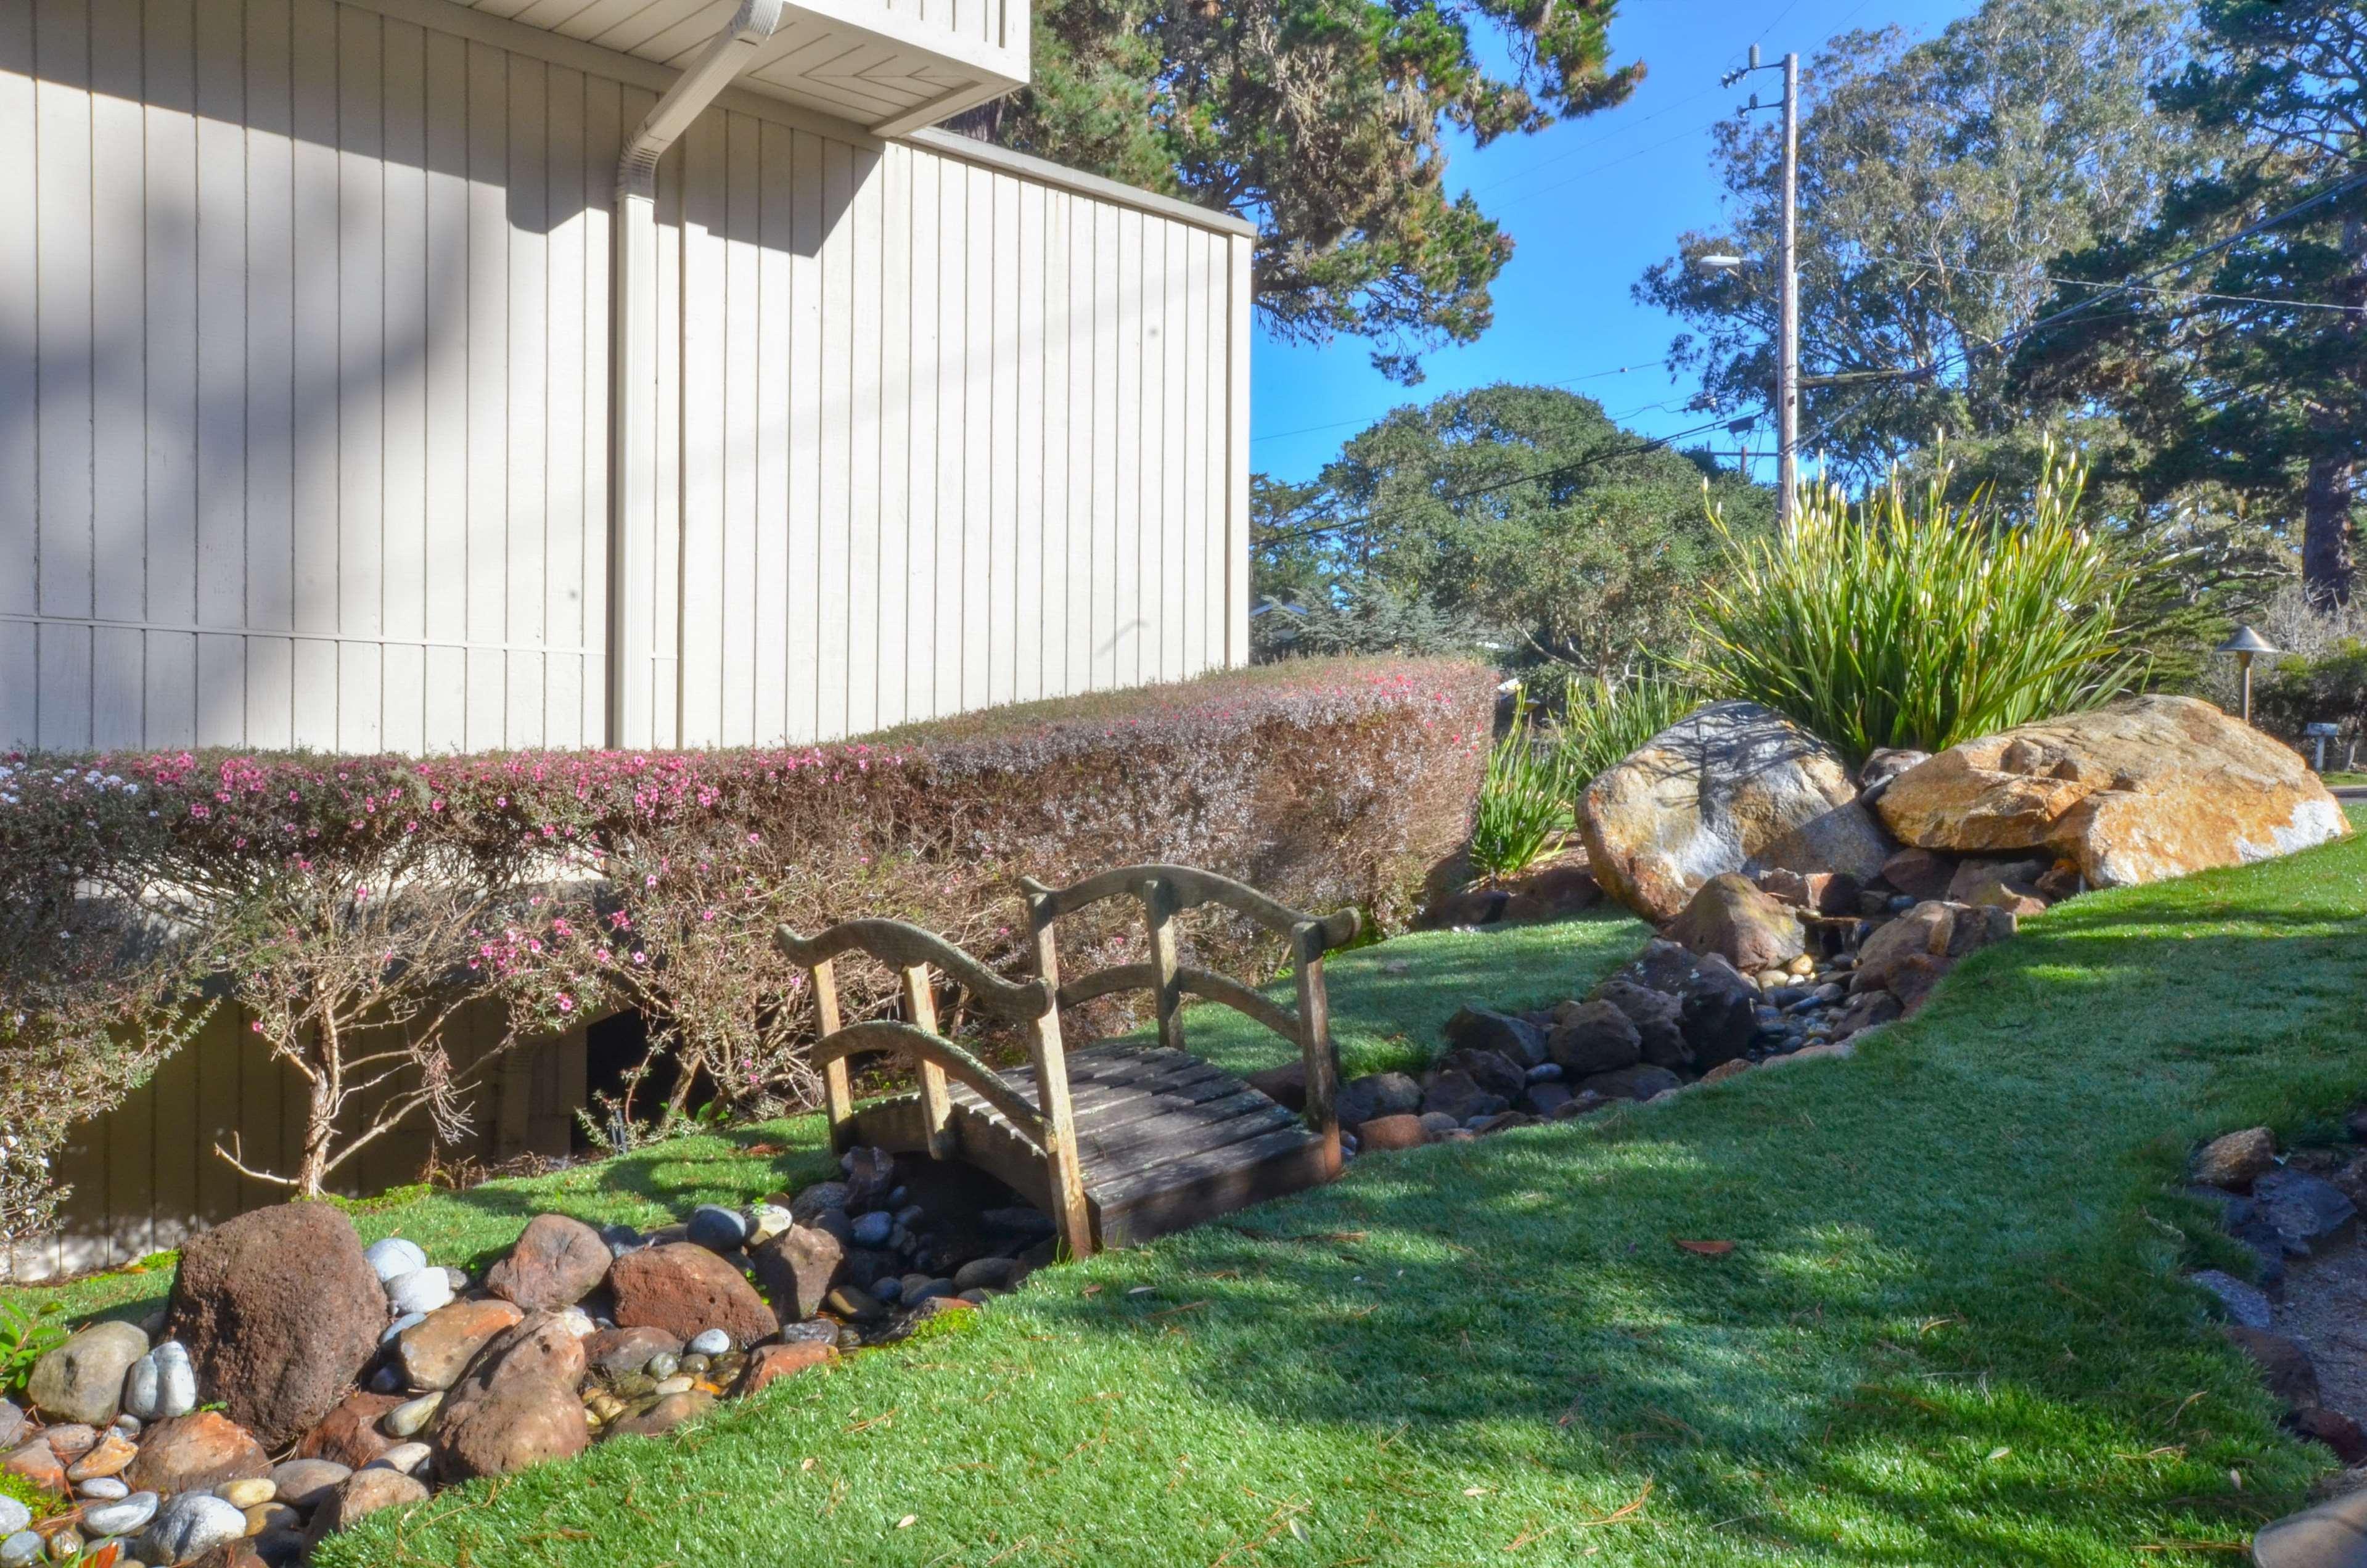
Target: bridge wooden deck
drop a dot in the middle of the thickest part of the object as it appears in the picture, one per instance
(1164, 1141)
(1118, 1140)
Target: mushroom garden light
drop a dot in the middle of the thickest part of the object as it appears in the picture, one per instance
(2244, 644)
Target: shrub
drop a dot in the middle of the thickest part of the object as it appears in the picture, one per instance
(1525, 800)
(1922, 624)
(1602, 721)
(351, 906)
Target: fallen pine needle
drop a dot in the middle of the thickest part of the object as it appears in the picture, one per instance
(1706, 1249)
(1626, 1510)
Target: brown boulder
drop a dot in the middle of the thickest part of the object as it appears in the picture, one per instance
(437, 1349)
(349, 1434)
(509, 1426)
(558, 1261)
(1920, 873)
(796, 1269)
(1593, 1036)
(362, 1493)
(2148, 788)
(539, 1349)
(2236, 1159)
(280, 1312)
(684, 1289)
(205, 1450)
(2285, 1366)
(1733, 785)
(1924, 929)
(1732, 918)
(770, 1363)
(1657, 1018)
(1867, 1010)
(1977, 877)
(1404, 1131)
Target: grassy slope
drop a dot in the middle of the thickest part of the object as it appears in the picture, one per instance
(1948, 1332)
(1384, 1021)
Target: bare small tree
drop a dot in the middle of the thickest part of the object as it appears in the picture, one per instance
(355, 974)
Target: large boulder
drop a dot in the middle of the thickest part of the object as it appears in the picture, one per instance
(558, 1261)
(1733, 786)
(1729, 916)
(686, 1290)
(2148, 788)
(517, 1404)
(280, 1312)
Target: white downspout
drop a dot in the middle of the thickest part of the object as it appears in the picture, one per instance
(633, 389)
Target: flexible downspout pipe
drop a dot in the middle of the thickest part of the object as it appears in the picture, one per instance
(633, 387)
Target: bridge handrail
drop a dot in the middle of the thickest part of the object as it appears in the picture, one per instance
(1193, 887)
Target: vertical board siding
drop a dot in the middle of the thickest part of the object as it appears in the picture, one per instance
(304, 408)
(304, 440)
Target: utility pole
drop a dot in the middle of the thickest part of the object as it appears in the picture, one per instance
(1787, 286)
(1787, 345)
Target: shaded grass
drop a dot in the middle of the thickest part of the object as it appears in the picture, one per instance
(1948, 1332)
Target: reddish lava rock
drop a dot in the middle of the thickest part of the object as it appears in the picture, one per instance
(2336, 1430)
(502, 1429)
(349, 1434)
(206, 1449)
(557, 1262)
(773, 1362)
(542, 1348)
(684, 1289)
(280, 1312)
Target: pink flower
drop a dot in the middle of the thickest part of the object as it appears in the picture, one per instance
(566, 1003)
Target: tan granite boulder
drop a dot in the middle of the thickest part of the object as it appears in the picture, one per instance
(1733, 786)
(2148, 788)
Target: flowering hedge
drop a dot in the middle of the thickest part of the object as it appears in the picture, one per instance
(348, 905)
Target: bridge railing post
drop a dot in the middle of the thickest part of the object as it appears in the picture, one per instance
(1159, 923)
(1049, 1058)
(936, 1096)
(1316, 1050)
(837, 1087)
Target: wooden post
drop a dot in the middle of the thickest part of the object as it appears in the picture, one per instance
(1314, 1045)
(1051, 1064)
(1158, 918)
(936, 1101)
(838, 1091)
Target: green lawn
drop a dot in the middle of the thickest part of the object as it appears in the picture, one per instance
(1949, 1331)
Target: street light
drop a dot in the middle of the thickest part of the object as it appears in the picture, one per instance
(2244, 644)
(1720, 263)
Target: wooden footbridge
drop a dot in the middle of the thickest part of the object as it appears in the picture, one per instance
(1118, 1140)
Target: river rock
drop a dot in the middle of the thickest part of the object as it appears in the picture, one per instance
(1397, 1130)
(797, 1269)
(1495, 1075)
(1637, 1083)
(616, 1351)
(717, 1228)
(350, 1434)
(670, 1411)
(420, 1291)
(769, 1363)
(21, 1550)
(14, 1516)
(36, 1463)
(392, 1258)
(363, 1493)
(305, 1483)
(13, 1422)
(82, 1379)
(187, 1527)
(685, 1288)
(434, 1350)
(161, 1384)
(196, 1452)
(557, 1262)
(821, 1196)
(1732, 786)
(406, 1420)
(2308, 1211)
(1731, 917)
(106, 1458)
(2148, 788)
(120, 1516)
(279, 1311)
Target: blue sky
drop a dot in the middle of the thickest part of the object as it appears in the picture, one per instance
(1590, 204)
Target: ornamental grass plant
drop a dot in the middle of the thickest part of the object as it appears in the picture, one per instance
(1907, 620)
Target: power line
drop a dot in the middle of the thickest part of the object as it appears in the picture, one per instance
(2129, 287)
(1607, 163)
(1375, 419)
(1594, 141)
